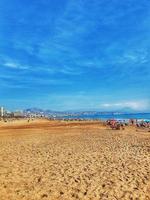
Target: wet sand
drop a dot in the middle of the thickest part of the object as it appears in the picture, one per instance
(48, 160)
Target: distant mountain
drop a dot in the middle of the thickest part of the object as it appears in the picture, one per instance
(39, 110)
(34, 110)
(127, 110)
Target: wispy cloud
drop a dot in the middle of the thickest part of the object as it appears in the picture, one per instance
(135, 105)
(14, 65)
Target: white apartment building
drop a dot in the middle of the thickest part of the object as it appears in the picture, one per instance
(1, 111)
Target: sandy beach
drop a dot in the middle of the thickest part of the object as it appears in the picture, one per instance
(53, 160)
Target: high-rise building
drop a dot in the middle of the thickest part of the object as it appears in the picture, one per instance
(1, 111)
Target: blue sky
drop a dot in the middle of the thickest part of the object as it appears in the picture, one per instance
(75, 54)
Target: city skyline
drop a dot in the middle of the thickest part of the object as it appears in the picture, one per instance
(75, 55)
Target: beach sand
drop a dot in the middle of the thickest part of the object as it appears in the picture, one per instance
(53, 160)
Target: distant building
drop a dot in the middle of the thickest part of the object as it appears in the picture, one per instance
(17, 114)
(1, 112)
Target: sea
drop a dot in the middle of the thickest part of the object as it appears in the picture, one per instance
(119, 116)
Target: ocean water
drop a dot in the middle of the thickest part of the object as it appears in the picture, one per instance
(138, 116)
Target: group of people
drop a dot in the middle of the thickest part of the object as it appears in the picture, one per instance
(120, 124)
(143, 124)
(117, 125)
(140, 123)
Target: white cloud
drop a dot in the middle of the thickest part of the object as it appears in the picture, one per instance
(135, 105)
(14, 65)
